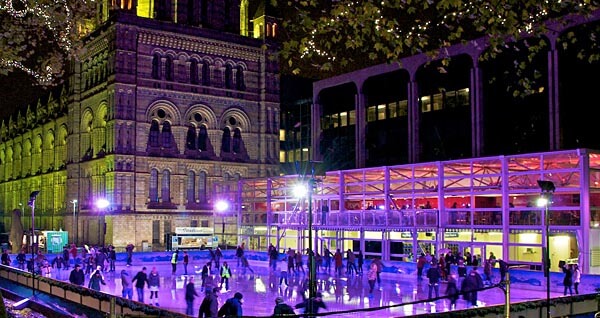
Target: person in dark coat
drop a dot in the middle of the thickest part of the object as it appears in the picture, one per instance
(96, 279)
(434, 275)
(190, 295)
(232, 307)
(470, 286)
(568, 279)
(503, 266)
(140, 279)
(452, 291)
(77, 277)
(210, 304)
(311, 305)
(282, 309)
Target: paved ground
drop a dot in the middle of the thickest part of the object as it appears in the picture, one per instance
(339, 293)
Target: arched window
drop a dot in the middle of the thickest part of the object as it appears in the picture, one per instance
(203, 138)
(166, 135)
(153, 139)
(240, 84)
(153, 195)
(165, 189)
(191, 187)
(190, 139)
(228, 76)
(156, 66)
(202, 187)
(169, 69)
(194, 71)
(226, 140)
(237, 141)
(205, 73)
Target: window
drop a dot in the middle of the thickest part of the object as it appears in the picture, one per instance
(153, 195)
(463, 97)
(237, 141)
(156, 66)
(282, 134)
(154, 134)
(205, 73)
(166, 135)
(226, 140)
(281, 156)
(352, 117)
(228, 76)
(194, 71)
(191, 187)
(425, 104)
(381, 112)
(335, 119)
(190, 139)
(344, 119)
(371, 113)
(169, 69)
(203, 138)
(403, 108)
(393, 110)
(240, 83)
(437, 102)
(202, 187)
(165, 189)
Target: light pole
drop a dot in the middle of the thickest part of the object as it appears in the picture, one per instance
(102, 204)
(300, 191)
(31, 203)
(545, 200)
(74, 202)
(221, 207)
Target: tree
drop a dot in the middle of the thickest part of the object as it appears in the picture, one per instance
(38, 36)
(329, 37)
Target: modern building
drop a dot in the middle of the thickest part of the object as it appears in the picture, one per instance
(420, 109)
(478, 206)
(168, 97)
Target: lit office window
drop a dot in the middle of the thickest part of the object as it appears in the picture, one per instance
(437, 101)
(372, 113)
(381, 112)
(463, 97)
(281, 156)
(352, 117)
(343, 119)
(425, 104)
(403, 108)
(393, 110)
(281, 134)
(335, 119)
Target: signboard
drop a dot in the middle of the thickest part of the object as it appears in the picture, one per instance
(194, 230)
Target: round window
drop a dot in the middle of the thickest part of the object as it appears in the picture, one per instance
(161, 113)
(232, 121)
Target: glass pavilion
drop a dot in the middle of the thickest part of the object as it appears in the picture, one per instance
(482, 206)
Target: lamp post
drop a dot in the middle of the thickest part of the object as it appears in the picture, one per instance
(547, 188)
(74, 202)
(300, 191)
(31, 203)
(102, 204)
(221, 207)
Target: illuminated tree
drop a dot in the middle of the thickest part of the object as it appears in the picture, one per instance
(326, 37)
(37, 36)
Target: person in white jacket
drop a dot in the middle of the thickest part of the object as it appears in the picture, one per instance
(576, 278)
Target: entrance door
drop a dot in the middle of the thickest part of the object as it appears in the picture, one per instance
(479, 251)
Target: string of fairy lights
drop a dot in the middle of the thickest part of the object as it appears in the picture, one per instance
(467, 10)
(61, 27)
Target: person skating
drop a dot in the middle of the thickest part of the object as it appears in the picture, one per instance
(452, 291)
(282, 309)
(210, 304)
(5, 258)
(186, 260)
(174, 257)
(21, 258)
(225, 275)
(112, 258)
(96, 279)
(312, 305)
(434, 275)
(77, 277)
(568, 279)
(127, 291)
(471, 285)
(129, 249)
(576, 278)
(232, 307)
(190, 295)
(372, 277)
(154, 285)
(140, 279)
(66, 258)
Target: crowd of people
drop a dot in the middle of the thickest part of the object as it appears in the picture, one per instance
(93, 262)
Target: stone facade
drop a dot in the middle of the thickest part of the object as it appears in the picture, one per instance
(153, 114)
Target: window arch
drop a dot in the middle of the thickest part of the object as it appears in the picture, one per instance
(191, 187)
(153, 191)
(240, 83)
(165, 189)
(156, 66)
